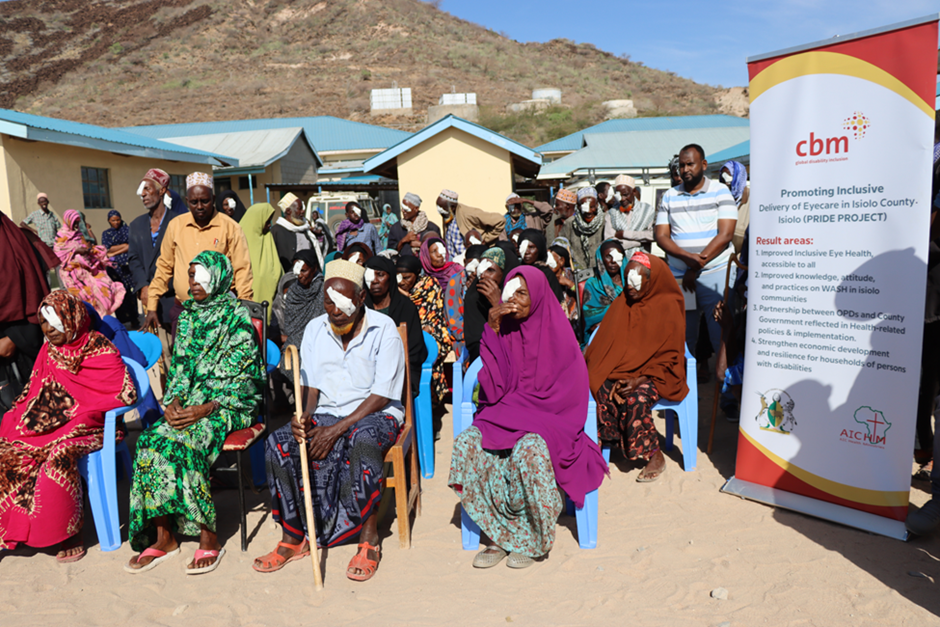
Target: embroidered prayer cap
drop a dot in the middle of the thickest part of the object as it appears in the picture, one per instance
(511, 196)
(497, 256)
(342, 269)
(623, 179)
(158, 176)
(642, 258)
(41, 195)
(587, 192)
(199, 178)
(567, 195)
(412, 199)
(288, 200)
(449, 195)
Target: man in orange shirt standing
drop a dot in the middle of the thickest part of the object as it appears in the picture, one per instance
(187, 235)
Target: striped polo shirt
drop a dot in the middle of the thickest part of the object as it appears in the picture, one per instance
(693, 219)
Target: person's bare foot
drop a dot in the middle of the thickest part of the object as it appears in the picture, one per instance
(654, 468)
(208, 541)
(71, 550)
(166, 542)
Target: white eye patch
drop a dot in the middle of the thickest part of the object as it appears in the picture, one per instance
(344, 304)
(617, 256)
(369, 276)
(472, 266)
(524, 246)
(585, 207)
(617, 196)
(635, 279)
(551, 261)
(354, 257)
(400, 278)
(230, 202)
(512, 286)
(440, 248)
(485, 265)
(53, 319)
(357, 210)
(475, 241)
(726, 177)
(202, 277)
(167, 201)
(140, 189)
(298, 266)
(610, 193)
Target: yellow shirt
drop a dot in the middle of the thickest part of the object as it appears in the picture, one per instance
(184, 240)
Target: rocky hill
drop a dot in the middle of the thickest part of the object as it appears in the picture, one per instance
(125, 62)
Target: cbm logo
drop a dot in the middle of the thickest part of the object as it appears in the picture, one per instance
(830, 145)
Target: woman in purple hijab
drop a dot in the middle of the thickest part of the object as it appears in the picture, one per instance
(528, 434)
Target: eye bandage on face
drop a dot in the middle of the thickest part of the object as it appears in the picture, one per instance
(356, 210)
(475, 241)
(354, 258)
(635, 279)
(342, 303)
(551, 261)
(298, 266)
(512, 286)
(617, 256)
(440, 248)
(202, 277)
(167, 201)
(485, 265)
(400, 278)
(726, 177)
(472, 266)
(53, 319)
(585, 207)
(230, 202)
(618, 196)
(140, 188)
(610, 192)
(369, 276)
(524, 246)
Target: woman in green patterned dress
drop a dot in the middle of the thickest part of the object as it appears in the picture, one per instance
(213, 388)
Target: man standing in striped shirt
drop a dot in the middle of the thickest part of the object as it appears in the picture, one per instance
(694, 225)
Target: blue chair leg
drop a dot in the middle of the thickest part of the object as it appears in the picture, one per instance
(587, 521)
(670, 426)
(688, 426)
(606, 452)
(106, 520)
(425, 432)
(469, 531)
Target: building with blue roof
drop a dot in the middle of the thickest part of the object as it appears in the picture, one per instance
(85, 167)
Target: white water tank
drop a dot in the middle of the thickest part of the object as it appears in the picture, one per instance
(551, 94)
(458, 99)
(397, 98)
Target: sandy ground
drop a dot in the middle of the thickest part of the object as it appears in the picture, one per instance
(663, 547)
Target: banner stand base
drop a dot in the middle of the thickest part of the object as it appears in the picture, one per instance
(814, 507)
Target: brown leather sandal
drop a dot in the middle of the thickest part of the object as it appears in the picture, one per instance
(362, 562)
(274, 561)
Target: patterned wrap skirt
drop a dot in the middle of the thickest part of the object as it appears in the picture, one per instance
(629, 425)
(512, 495)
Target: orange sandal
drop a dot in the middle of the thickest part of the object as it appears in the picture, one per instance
(362, 562)
(274, 561)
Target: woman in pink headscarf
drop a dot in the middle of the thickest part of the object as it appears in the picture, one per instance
(433, 257)
(84, 268)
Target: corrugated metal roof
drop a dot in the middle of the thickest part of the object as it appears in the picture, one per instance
(251, 148)
(734, 153)
(54, 130)
(575, 140)
(641, 149)
(327, 133)
(525, 153)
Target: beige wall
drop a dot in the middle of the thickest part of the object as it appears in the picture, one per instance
(478, 171)
(29, 167)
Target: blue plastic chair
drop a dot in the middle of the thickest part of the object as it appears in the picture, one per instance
(457, 391)
(685, 410)
(586, 516)
(149, 344)
(424, 418)
(99, 470)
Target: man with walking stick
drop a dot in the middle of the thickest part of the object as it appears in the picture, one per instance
(352, 375)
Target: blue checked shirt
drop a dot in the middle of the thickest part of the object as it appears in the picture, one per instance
(454, 240)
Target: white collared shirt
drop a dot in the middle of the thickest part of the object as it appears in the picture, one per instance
(373, 363)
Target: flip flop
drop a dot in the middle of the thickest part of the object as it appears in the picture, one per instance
(200, 554)
(361, 561)
(70, 558)
(157, 554)
(301, 551)
(641, 479)
(489, 557)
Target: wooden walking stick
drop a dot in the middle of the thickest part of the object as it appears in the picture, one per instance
(293, 364)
